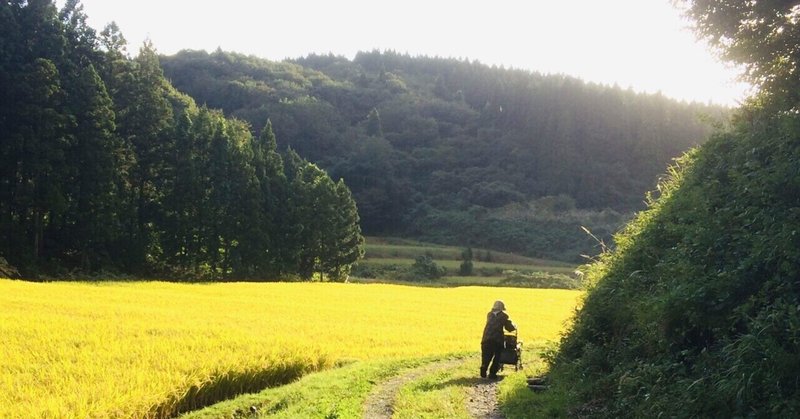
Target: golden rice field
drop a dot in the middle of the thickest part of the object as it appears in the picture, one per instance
(149, 349)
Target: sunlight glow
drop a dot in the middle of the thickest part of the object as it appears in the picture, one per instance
(641, 44)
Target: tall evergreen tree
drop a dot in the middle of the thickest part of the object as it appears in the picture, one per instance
(113, 41)
(220, 192)
(80, 37)
(34, 121)
(271, 226)
(326, 238)
(40, 189)
(95, 208)
(374, 126)
(182, 201)
(295, 228)
(143, 123)
(311, 190)
(342, 242)
(245, 247)
(116, 69)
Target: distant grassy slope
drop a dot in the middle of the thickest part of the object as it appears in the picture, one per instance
(388, 247)
(386, 258)
(697, 312)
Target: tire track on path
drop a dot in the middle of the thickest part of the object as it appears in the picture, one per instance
(380, 402)
(482, 400)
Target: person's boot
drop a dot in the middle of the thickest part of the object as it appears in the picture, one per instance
(483, 373)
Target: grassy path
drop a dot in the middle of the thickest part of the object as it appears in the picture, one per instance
(440, 388)
(381, 402)
(445, 390)
(337, 393)
(457, 392)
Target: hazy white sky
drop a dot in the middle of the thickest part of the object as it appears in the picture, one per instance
(643, 44)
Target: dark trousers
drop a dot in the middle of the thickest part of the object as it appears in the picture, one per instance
(490, 352)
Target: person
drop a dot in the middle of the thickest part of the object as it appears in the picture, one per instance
(492, 340)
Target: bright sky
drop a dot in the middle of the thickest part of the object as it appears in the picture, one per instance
(643, 44)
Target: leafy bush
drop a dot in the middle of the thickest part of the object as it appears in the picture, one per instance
(363, 270)
(466, 268)
(424, 268)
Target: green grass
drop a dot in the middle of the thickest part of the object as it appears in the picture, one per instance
(337, 393)
(442, 393)
(519, 402)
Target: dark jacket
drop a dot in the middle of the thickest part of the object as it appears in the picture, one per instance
(495, 323)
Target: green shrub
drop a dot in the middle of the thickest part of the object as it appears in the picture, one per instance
(424, 268)
(465, 269)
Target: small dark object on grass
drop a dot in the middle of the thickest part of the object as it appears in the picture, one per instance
(537, 384)
(537, 381)
(537, 388)
(253, 409)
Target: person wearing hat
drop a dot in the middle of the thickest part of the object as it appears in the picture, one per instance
(492, 341)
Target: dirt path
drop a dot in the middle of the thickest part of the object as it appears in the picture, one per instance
(380, 403)
(481, 393)
(482, 400)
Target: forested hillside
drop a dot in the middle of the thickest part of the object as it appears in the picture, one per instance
(455, 151)
(697, 312)
(105, 166)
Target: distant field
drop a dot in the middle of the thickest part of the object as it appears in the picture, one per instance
(382, 247)
(150, 349)
(387, 259)
(453, 265)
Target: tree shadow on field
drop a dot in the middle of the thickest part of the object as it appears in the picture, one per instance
(228, 385)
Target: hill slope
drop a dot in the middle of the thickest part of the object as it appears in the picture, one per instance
(455, 151)
(697, 312)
